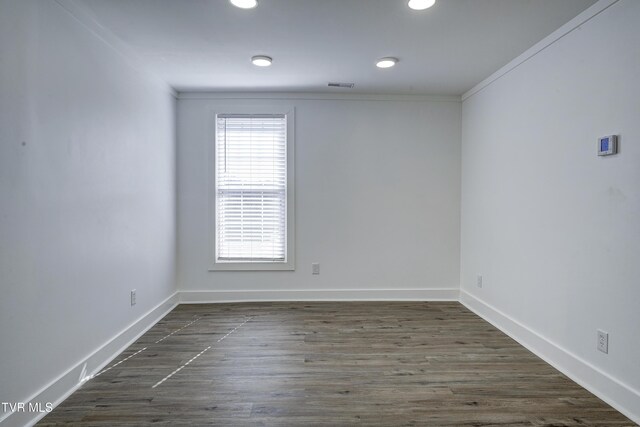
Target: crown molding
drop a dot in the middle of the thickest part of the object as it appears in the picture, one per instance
(316, 96)
(566, 29)
(87, 19)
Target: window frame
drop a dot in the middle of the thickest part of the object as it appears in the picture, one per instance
(289, 263)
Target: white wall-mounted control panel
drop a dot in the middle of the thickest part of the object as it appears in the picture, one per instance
(608, 145)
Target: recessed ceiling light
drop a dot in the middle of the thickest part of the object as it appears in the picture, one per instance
(421, 4)
(244, 4)
(386, 62)
(261, 60)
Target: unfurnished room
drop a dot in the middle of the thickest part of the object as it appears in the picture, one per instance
(320, 213)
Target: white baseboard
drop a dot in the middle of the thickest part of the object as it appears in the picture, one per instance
(204, 297)
(63, 386)
(611, 390)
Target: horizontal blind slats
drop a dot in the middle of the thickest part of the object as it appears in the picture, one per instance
(251, 192)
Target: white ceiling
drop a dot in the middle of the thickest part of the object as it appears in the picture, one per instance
(207, 44)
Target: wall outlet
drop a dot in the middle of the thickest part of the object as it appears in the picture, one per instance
(603, 341)
(479, 281)
(133, 297)
(315, 268)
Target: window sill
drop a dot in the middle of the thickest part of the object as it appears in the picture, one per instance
(252, 266)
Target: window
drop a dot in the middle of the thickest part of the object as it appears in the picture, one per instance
(253, 224)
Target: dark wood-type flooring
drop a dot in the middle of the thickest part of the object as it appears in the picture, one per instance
(330, 364)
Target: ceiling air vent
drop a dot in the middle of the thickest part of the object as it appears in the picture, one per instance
(345, 85)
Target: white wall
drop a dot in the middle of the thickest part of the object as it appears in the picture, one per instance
(377, 198)
(87, 194)
(555, 229)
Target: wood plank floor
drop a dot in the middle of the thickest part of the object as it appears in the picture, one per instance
(330, 364)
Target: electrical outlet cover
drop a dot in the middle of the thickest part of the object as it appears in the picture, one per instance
(603, 341)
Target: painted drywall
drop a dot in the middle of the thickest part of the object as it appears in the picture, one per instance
(377, 196)
(87, 187)
(553, 228)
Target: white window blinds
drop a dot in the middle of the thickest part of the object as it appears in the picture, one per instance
(251, 188)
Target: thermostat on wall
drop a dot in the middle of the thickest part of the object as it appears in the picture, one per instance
(607, 145)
